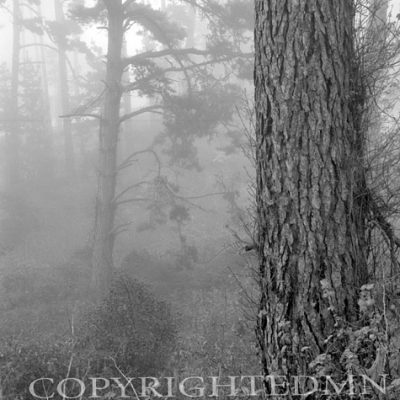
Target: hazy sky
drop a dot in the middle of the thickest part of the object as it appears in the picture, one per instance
(92, 35)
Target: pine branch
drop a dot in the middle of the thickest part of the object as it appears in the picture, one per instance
(163, 53)
(176, 53)
(136, 84)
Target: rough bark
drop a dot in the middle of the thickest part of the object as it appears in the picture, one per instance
(64, 94)
(310, 180)
(102, 258)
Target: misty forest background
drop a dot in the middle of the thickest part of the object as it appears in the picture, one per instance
(130, 209)
(182, 179)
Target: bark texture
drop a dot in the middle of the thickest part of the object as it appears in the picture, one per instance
(103, 245)
(310, 180)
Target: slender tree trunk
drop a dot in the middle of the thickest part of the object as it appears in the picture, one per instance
(64, 93)
(310, 179)
(47, 134)
(126, 136)
(45, 90)
(13, 140)
(81, 167)
(190, 41)
(102, 258)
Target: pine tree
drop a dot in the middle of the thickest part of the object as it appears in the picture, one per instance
(311, 188)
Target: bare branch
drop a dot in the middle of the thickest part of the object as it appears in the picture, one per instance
(385, 226)
(47, 46)
(132, 200)
(83, 115)
(130, 187)
(128, 160)
(141, 111)
(162, 53)
(202, 196)
(121, 228)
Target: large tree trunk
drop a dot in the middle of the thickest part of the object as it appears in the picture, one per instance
(64, 93)
(310, 178)
(102, 259)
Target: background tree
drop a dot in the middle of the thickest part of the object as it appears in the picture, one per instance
(64, 89)
(13, 137)
(149, 70)
(167, 181)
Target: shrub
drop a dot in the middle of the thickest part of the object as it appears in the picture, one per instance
(131, 326)
(131, 331)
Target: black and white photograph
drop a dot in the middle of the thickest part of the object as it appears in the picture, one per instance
(200, 199)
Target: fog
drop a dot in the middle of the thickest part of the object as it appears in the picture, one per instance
(127, 190)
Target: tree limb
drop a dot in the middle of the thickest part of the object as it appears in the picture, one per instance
(128, 160)
(130, 187)
(141, 111)
(385, 226)
(83, 115)
(162, 53)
